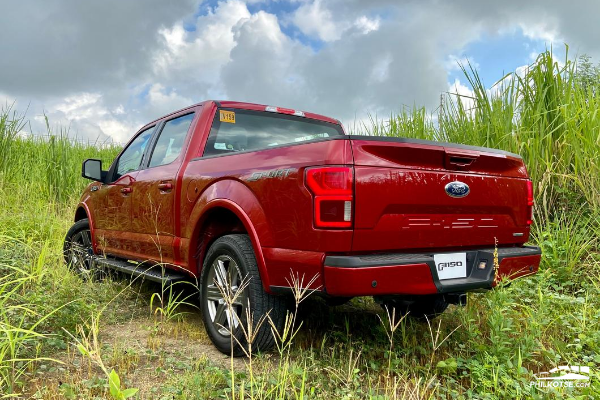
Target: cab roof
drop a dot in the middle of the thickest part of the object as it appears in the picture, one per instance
(249, 106)
(262, 107)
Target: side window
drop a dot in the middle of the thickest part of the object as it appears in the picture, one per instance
(131, 158)
(170, 141)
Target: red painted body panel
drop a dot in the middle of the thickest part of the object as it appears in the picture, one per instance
(301, 264)
(153, 214)
(408, 209)
(403, 205)
(111, 209)
(399, 205)
(517, 267)
(435, 157)
(83, 204)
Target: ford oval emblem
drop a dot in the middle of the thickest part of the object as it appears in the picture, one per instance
(457, 189)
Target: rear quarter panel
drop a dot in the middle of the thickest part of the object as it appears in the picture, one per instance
(268, 186)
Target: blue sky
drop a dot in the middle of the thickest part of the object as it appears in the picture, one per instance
(496, 55)
(344, 58)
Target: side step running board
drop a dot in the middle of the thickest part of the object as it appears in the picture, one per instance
(154, 273)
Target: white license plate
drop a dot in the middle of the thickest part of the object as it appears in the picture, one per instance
(451, 266)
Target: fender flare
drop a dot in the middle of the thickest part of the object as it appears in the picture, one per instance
(236, 197)
(85, 207)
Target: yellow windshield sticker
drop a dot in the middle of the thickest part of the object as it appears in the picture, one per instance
(227, 116)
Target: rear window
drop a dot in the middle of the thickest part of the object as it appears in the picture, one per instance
(242, 130)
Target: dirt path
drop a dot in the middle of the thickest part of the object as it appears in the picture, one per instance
(149, 353)
(144, 351)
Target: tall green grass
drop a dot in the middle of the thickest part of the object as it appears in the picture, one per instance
(46, 167)
(40, 181)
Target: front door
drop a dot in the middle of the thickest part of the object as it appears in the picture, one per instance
(112, 214)
(113, 200)
(154, 192)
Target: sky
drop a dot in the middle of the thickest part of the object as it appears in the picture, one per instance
(102, 69)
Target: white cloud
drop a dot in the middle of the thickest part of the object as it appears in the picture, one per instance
(79, 106)
(202, 53)
(366, 25)
(546, 30)
(317, 21)
(381, 68)
(87, 117)
(454, 63)
(165, 101)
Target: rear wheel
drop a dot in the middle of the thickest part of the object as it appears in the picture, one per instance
(425, 307)
(78, 250)
(230, 275)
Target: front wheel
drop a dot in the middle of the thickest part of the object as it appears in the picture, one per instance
(78, 250)
(229, 284)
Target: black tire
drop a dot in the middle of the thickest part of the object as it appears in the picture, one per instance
(233, 254)
(78, 251)
(422, 308)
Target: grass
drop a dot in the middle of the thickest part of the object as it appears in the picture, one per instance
(61, 337)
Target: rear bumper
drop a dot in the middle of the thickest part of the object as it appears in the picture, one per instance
(399, 273)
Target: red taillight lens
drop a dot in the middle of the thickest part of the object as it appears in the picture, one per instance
(329, 180)
(529, 202)
(333, 189)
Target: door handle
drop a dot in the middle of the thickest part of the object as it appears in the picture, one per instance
(459, 161)
(165, 186)
(126, 190)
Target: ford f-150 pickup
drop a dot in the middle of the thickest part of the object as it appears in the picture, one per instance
(245, 196)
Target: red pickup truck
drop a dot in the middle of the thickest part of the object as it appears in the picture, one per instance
(229, 191)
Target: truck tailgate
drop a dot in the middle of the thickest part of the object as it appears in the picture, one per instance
(401, 200)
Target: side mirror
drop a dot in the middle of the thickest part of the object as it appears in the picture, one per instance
(92, 169)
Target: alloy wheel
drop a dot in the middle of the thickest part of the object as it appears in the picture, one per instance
(81, 252)
(224, 282)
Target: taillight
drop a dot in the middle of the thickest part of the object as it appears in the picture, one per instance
(529, 202)
(333, 189)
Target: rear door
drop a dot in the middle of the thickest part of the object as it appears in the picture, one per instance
(155, 189)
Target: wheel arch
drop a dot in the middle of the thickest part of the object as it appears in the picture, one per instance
(228, 207)
(83, 212)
